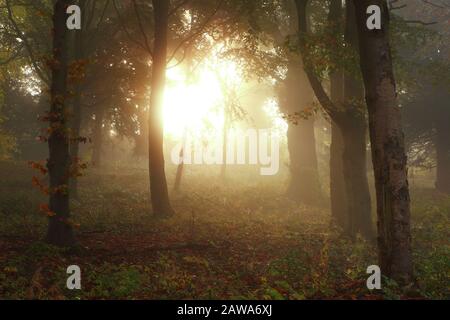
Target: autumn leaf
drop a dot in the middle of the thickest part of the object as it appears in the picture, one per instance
(44, 208)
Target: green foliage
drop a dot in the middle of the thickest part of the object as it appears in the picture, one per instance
(113, 282)
(431, 233)
(414, 50)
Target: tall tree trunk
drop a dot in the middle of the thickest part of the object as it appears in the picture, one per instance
(354, 127)
(388, 149)
(442, 144)
(158, 184)
(304, 185)
(60, 231)
(355, 173)
(350, 195)
(338, 197)
(98, 138)
(297, 96)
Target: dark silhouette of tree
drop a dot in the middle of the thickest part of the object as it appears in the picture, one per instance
(348, 116)
(352, 124)
(60, 230)
(158, 184)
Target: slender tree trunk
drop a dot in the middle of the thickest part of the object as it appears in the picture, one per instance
(98, 138)
(388, 149)
(158, 184)
(60, 231)
(354, 128)
(338, 197)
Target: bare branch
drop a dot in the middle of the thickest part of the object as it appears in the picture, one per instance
(198, 32)
(181, 4)
(141, 28)
(124, 28)
(12, 57)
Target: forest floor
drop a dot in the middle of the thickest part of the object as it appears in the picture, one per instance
(227, 241)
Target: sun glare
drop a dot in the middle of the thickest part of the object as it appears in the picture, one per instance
(188, 107)
(194, 105)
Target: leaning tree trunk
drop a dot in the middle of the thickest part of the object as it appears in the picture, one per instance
(158, 184)
(442, 144)
(388, 149)
(60, 231)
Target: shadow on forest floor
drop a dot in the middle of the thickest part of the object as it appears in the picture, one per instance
(226, 241)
